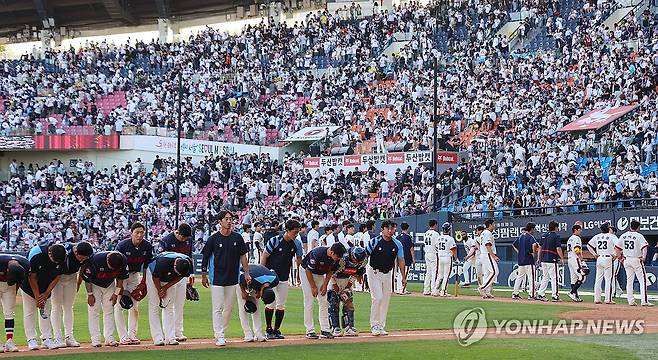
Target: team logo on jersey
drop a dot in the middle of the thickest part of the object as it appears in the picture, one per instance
(470, 326)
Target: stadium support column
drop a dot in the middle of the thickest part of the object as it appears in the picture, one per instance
(178, 132)
(168, 30)
(435, 204)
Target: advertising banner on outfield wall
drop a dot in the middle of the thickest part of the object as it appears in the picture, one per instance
(508, 229)
(191, 147)
(386, 162)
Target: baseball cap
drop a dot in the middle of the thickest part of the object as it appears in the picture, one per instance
(250, 306)
(268, 296)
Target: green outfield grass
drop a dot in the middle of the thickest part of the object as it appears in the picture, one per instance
(443, 349)
(405, 313)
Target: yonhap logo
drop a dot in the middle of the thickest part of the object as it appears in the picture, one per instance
(470, 326)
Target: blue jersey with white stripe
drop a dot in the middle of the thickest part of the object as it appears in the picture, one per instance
(260, 275)
(45, 270)
(281, 252)
(221, 258)
(383, 253)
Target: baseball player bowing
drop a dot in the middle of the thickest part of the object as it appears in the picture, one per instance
(632, 251)
(551, 257)
(526, 246)
(222, 254)
(13, 270)
(383, 250)
(351, 268)
(263, 280)
(577, 268)
(139, 253)
(446, 251)
(65, 292)
(319, 265)
(489, 260)
(162, 274)
(179, 241)
(103, 274)
(602, 245)
(430, 240)
(278, 255)
(46, 265)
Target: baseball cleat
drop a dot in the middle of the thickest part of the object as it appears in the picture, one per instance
(598, 302)
(648, 304)
(125, 341)
(48, 344)
(531, 298)
(111, 342)
(32, 344)
(632, 304)
(326, 335)
(220, 342)
(98, 344)
(542, 298)
(382, 331)
(10, 346)
(181, 338)
(248, 339)
(350, 331)
(375, 331)
(427, 294)
(610, 302)
(172, 342)
(269, 333)
(516, 297)
(573, 297)
(72, 342)
(260, 338)
(337, 332)
(278, 335)
(312, 335)
(555, 298)
(59, 344)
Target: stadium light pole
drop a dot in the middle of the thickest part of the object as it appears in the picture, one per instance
(178, 133)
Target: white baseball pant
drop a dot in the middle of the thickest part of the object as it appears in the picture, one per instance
(380, 295)
(281, 296)
(468, 266)
(443, 275)
(489, 273)
(603, 271)
(244, 317)
(222, 304)
(30, 312)
(103, 302)
(522, 272)
(635, 268)
(180, 295)
(8, 300)
(63, 297)
(549, 273)
(574, 273)
(133, 314)
(431, 264)
(164, 331)
(308, 303)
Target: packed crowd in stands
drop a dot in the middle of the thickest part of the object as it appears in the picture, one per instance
(502, 106)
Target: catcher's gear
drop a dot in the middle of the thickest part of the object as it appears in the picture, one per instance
(358, 253)
(139, 293)
(584, 270)
(268, 296)
(250, 306)
(126, 302)
(191, 293)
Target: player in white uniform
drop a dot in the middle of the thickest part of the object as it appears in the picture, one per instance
(489, 260)
(602, 246)
(471, 247)
(430, 239)
(577, 268)
(632, 249)
(446, 250)
(313, 237)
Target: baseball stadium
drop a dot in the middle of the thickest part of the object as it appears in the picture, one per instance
(322, 179)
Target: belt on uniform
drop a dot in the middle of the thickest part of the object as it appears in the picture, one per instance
(606, 255)
(380, 271)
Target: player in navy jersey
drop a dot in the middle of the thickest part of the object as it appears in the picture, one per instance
(384, 251)
(46, 265)
(319, 265)
(179, 241)
(260, 287)
(222, 254)
(526, 246)
(550, 253)
(139, 253)
(103, 274)
(162, 274)
(13, 270)
(351, 268)
(65, 292)
(278, 255)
